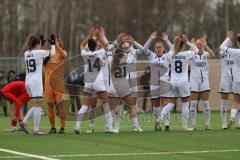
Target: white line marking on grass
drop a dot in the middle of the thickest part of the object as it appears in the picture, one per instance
(150, 153)
(12, 157)
(26, 154)
(125, 154)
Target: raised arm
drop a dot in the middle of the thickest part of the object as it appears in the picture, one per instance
(85, 41)
(62, 52)
(207, 48)
(164, 37)
(152, 37)
(210, 51)
(192, 46)
(225, 45)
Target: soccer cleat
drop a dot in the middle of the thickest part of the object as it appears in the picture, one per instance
(194, 127)
(157, 126)
(230, 122)
(39, 133)
(90, 130)
(116, 129)
(137, 129)
(52, 131)
(207, 127)
(224, 127)
(76, 131)
(24, 127)
(20, 129)
(107, 130)
(61, 131)
(188, 129)
(11, 129)
(167, 128)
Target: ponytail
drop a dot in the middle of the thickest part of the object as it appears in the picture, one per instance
(179, 44)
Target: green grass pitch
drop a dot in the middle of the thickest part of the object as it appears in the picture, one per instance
(216, 144)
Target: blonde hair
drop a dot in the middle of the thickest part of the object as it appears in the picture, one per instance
(179, 45)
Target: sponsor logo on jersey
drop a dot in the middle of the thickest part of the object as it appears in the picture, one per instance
(229, 62)
(200, 64)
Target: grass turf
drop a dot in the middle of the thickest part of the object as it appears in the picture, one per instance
(126, 141)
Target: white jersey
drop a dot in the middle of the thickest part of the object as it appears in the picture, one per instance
(132, 62)
(34, 65)
(157, 61)
(94, 63)
(107, 68)
(179, 65)
(227, 63)
(235, 53)
(199, 66)
(162, 62)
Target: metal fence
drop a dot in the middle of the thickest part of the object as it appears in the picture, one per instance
(11, 63)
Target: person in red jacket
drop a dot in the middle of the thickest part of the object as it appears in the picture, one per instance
(16, 93)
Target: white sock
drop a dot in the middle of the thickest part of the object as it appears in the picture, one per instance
(29, 115)
(165, 111)
(136, 105)
(167, 120)
(135, 121)
(185, 113)
(117, 116)
(193, 112)
(37, 118)
(237, 118)
(80, 116)
(107, 115)
(224, 105)
(206, 112)
(91, 117)
(233, 113)
(156, 112)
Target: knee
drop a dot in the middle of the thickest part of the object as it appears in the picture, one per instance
(206, 106)
(193, 105)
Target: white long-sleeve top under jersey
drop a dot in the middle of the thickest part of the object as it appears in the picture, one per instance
(235, 53)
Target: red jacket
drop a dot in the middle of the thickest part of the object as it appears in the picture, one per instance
(16, 93)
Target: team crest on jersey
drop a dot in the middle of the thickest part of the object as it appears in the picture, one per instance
(204, 57)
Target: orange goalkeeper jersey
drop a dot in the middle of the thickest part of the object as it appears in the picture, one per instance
(54, 69)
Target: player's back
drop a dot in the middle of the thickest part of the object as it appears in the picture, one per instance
(122, 68)
(94, 62)
(34, 64)
(179, 65)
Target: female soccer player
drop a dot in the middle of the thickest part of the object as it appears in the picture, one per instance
(120, 85)
(226, 84)
(179, 59)
(16, 93)
(235, 53)
(94, 79)
(34, 58)
(54, 78)
(159, 83)
(199, 82)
